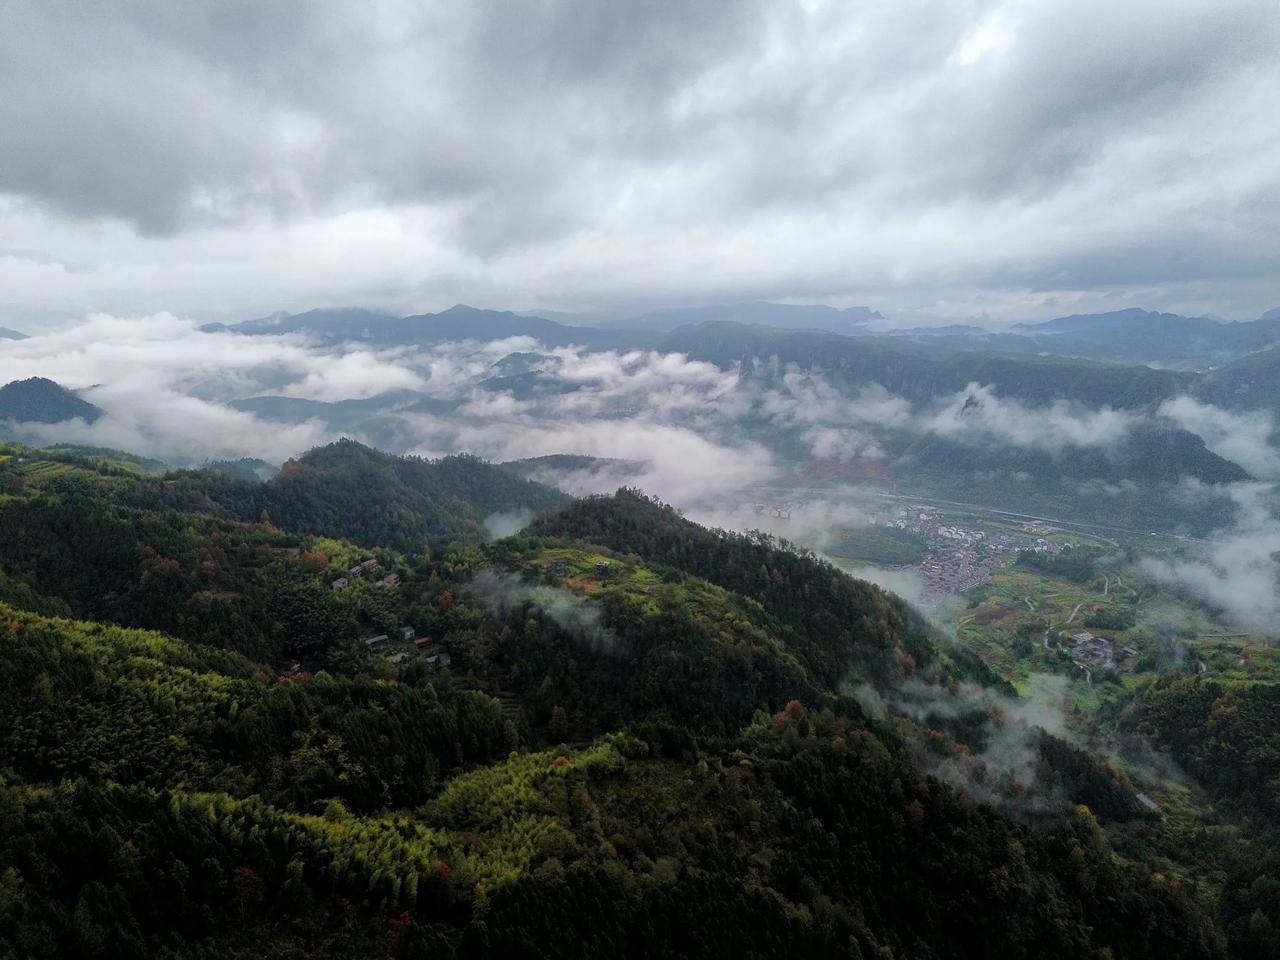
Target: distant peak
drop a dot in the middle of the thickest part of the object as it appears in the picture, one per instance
(41, 400)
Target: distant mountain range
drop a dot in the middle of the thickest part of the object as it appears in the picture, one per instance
(784, 316)
(1127, 336)
(1249, 383)
(380, 418)
(8, 334)
(459, 322)
(924, 370)
(341, 414)
(38, 400)
(1136, 334)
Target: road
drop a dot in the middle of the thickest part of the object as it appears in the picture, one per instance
(976, 509)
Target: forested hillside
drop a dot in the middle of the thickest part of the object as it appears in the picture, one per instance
(615, 734)
(351, 491)
(348, 490)
(39, 400)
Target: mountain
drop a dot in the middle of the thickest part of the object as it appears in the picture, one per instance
(1249, 383)
(8, 334)
(1149, 455)
(1142, 335)
(341, 414)
(379, 420)
(1125, 321)
(459, 322)
(38, 400)
(1133, 336)
(921, 371)
(345, 323)
(352, 491)
(781, 315)
(641, 738)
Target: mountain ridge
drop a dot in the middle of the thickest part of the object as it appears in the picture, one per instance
(40, 400)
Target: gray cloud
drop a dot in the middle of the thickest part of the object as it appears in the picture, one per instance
(993, 157)
(1237, 571)
(679, 428)
(582, 618)
(1246, 438)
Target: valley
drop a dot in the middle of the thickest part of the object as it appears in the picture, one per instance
(564, 480)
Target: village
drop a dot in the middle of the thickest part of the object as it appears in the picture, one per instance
(1090, 652)
(959, 557)
(397, 650)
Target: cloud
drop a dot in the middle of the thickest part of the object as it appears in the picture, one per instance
(162, 423)
(1245, 438)
(163, 385)
(810, 519)
(583, 619)
(1003, 767)
(999, 158)
(714, 442)
(1237, 571)
(503, 524)
(674, 462)
(979, 416)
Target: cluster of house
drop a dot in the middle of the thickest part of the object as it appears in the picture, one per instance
(959, 557)
(359, 570)
(1099, 651)
(436, 656)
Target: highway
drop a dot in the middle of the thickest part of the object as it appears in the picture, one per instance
(794, 494)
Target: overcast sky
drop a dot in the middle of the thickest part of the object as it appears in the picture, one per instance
(948, 159)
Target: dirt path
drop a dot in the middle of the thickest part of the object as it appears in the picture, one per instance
(1075, 611)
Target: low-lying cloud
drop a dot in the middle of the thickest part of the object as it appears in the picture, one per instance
(1236, 571)
(978, 416)
(583, 619)
(716, 442)
(1245, 438)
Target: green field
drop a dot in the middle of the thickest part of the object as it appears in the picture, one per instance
(878, 545)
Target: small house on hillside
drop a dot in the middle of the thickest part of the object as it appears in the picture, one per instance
(378, 642)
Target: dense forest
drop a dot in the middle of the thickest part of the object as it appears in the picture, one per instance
(351, 491)
(229, 728)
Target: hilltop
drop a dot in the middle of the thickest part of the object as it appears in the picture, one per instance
(38, 400)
